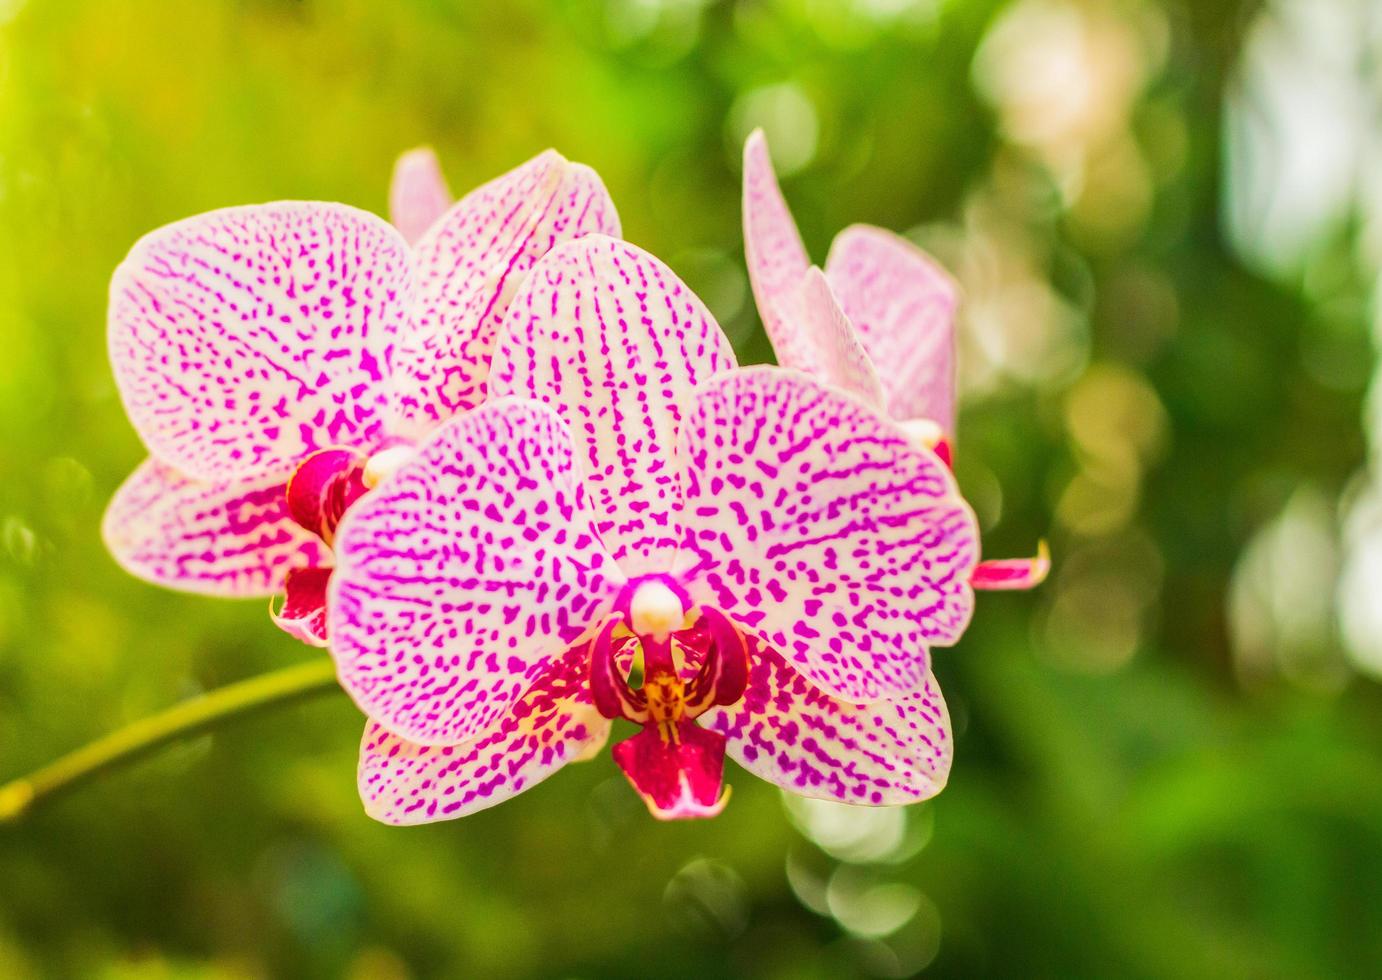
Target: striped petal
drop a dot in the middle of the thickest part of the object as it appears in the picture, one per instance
(233, 539)
(470, 264)
(776, 258)
(554, 723)
(616, 343)
(247, 338)
(792, 734)
(464, 576)
(418, 194)
(902, 303)
(840, 357)
(815, 524)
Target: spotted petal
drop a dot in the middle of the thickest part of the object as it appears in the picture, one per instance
(554, 723)
(789, 732)
(902, 303)
(616, 343)
(244, 339)
(418, 194)
(471, 262)
(815, 524)
(233, 539)
(466, 574)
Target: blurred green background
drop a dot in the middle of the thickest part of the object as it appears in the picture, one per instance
(1166, 219)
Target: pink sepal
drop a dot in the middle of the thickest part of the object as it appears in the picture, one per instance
(1013, 573)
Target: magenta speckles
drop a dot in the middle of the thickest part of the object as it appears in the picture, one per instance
(659, 492)
(274, 344)
(471, 262)
(247, 338)
(467, 575)
(231, 538)
(554, 723)
(813, 521)
(616, 344)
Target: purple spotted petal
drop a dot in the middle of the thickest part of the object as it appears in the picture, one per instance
(231, 538)
(902, 303)
(790, 733)
(418, 194)
(244, 339)
(776, 258)
(814, 523)
(616, 343)
(465, 574)
(554, 723)
(470, 264)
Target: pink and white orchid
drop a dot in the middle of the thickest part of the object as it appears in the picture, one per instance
(879, 321)
(279, 359)
(773, 554)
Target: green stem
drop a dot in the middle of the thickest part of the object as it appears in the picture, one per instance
(191, 717)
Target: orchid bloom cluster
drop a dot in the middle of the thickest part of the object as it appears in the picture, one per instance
(505, 465)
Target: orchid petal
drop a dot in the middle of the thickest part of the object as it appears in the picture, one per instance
(554, 723)
(471, 262)
(232, 539)
(776, 258)
(245, 339)
(418, 194)
(840, 356)
(787, 731)
(902, 303)
(464, 576)
(616, 343)
(677, 768)
(323, 487)
(815, 524)
(303, 615)
(808, 328)
(1013, 573)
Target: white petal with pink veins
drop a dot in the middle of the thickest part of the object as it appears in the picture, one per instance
(902, 303)
(608, 336)
(791, 733)
(465, 575)
(229, 538)
(470, 263)
(554, 723)
(815, 524)
(244, 339)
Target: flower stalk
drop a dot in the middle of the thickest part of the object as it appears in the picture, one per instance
(192, 717)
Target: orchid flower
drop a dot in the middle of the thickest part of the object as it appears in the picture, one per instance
(278, 360)
(879, 321)
(773, 556)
